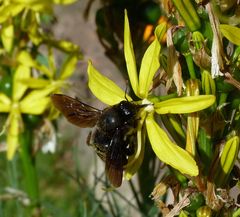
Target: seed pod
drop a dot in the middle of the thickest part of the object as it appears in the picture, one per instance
(196, 200)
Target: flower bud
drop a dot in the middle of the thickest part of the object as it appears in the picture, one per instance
(227, 160)
(188, 14)
(204, 211)
(208, 84)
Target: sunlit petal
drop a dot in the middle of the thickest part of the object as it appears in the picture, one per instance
(22, 72)
(103, 88)
(68, 67)
(5, 103)
(150, 62)
(12, 134)
(129, 56)
(167, 151)
(135, 161)
(182, 105)
(35, 107)
(7, 36)
(35, 82)
(26, 59)
(64, 1)
(36, 101)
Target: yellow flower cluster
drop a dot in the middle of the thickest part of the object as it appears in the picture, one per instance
(108, 92)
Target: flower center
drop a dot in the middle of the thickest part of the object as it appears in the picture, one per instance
(149, 108)
(15, 106)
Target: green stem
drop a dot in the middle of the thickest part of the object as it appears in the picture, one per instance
(222, 98)
(162, 98)
(190, 65)
(13, 178)
(135, 194)
(30, 174)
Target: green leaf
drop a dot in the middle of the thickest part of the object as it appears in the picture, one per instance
(68, 67)
(103, 88)
(150, 62)
(22, 72)
(232, 33)
(167, 151)
(5, 103)
(129, 56)
(183, 105)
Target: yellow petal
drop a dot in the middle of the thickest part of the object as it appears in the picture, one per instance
(35, 82)
(12, 134)
(129, 56)
(66, 46)
(38, 6)
(135, 161)
(10, 10)
(167, 151)
(64, 1)
(34, 34)
(35, 107)
(183, 105)
(36, 101)
(26, 59)
(150, 62)
(103, 88)
(68, 67)
(232, 33)
(5, 103)
(22, 72)
(7, 36)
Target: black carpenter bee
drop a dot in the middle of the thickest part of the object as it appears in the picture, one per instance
(114, 133)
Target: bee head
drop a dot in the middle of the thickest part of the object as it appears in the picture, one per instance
(128, 110)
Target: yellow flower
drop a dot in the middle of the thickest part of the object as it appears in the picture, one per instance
(35, 102)
(108, 92)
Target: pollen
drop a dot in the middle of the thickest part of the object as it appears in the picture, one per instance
(149, 108)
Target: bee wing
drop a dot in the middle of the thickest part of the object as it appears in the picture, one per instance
(76, 112)
(115, 159)
(114, 174)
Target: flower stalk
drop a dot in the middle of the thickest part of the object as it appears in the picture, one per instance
(29, 167)
(192, 119)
